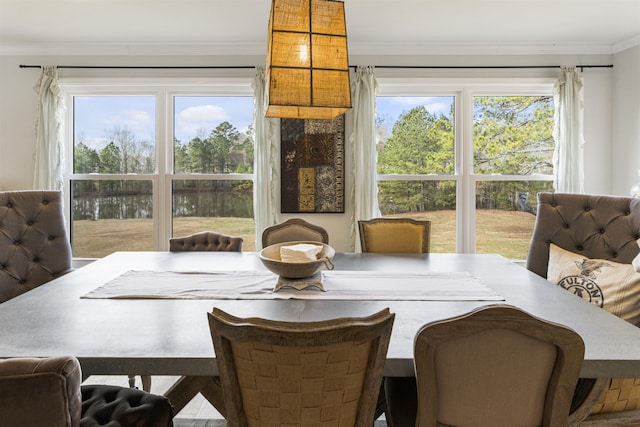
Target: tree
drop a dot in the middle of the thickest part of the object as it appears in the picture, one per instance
(131, 150)
(223, 138)
(181, 157)
(421, 143)
(143, 157)
(513, 134)
(110, 159)
(242, 153)
(85, 159)
(200, 155)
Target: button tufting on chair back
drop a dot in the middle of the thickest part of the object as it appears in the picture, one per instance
(36, 392)
(603, 227)
(34, 246)
(206, 241)
(597, 227)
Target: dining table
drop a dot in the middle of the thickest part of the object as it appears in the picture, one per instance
(146, 312)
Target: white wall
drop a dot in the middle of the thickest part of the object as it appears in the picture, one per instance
(625, 147)
(612, 109)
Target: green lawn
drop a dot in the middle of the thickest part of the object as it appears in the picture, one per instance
(504, 232)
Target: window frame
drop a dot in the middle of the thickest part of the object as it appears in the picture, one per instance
(164, 90)
(463, 90)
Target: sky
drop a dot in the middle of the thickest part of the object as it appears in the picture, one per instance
(96, 116)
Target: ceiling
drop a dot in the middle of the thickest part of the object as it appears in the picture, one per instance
(373, 26)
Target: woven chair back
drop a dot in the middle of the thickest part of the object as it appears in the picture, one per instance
(301, 373)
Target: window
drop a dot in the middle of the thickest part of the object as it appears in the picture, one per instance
(149, 162)
(471, 158)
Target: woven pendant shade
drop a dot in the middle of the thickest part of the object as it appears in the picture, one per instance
(307, 61)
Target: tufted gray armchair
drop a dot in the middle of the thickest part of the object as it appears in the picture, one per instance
(34, 246)
(37, 392)
(595, 226)
(604, 227)
(206, 241)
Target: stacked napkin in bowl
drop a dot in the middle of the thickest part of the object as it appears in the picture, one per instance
(301, 252)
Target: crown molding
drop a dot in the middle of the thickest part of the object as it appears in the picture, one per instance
(481, 49)
(133, 49)
(627, 44)
(355, 48)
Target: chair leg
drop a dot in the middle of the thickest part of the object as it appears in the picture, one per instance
(594, 389)
(146, 382)
(402, 401)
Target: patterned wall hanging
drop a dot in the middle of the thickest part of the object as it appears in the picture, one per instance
(312, 178)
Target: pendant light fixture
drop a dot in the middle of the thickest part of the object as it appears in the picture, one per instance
(307, 60)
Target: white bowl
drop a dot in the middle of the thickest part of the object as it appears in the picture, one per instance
(270, 257)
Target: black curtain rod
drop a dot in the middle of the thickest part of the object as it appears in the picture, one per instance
(450, 67)
(158, 67)
(488, 67)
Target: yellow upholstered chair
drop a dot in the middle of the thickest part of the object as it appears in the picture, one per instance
(300, 373)
(294, 229)
(395, 235)
(593, 227)
(496, 366)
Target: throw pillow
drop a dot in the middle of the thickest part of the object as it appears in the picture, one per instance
(612, 286)
(636, 260)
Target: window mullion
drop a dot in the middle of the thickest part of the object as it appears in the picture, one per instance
(162, 213)
(466, 195)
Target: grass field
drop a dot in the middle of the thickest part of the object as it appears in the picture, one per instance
(504, 232)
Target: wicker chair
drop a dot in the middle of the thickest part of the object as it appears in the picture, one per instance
(599, 227)
(395, 235)
(206, 241)
(48, 392)
(294, 229)
(301, 373)
(495, 366)
(34, 246)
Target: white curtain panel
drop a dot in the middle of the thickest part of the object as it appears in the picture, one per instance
(265, 160)
(568, 156)
(363, 140)
(49, 151)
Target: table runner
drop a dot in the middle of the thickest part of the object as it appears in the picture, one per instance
(339, 285)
